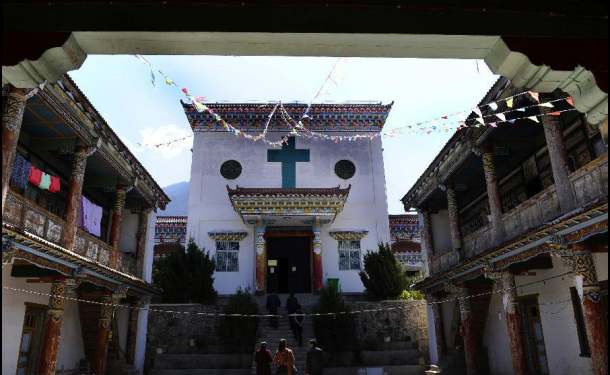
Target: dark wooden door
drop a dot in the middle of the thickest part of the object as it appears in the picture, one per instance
(290, 264)
(31, 337)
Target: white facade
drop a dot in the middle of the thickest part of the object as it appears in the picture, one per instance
(210, 208)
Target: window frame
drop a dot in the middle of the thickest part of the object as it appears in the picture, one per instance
(347, 247)
(227, 248)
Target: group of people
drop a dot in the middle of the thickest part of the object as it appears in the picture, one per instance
(294, 310)
(285, 361)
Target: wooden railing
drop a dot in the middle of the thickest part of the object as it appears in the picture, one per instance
(589, 183)
(22, 213)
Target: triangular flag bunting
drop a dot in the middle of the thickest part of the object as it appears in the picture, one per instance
(535, 119)
(478, 112)
(494, 125)
(510, 102)
(555, 114)
(571, 101)
(481, 120)
(501, 116)
(512, 121)
(535, 95)
(494, 106)
(547, 105)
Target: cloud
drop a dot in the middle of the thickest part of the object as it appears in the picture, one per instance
(181, 138)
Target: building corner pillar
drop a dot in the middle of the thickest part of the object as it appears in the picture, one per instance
(117, 225)
(110, 300)
(52, 328)
(439, 330)
(142, 237)
(494, 194)
(463, 294)
(587, 284)
(559, 160)
(261, 257)
(427, 237)
(318, 270)
(12, 118)
(454, 219)
(514, 320)
(74, 196)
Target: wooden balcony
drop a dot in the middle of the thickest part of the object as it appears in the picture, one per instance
(26, 215)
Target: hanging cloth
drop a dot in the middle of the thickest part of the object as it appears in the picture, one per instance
(35, 176)
(20, 174)
(45, 182)
(55, 185)
(91, 217)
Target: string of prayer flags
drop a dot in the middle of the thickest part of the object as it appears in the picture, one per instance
(510, 102)
(534, 95)
(494, 106)
(547, 105)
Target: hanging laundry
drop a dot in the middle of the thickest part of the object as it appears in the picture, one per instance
(35, 176)
(91, 217)
(55, 185)
(20, 174)
(45, 182)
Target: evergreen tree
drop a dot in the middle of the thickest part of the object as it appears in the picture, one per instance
(383, 276)
(334, 333)
(187, 277)
(239, 332)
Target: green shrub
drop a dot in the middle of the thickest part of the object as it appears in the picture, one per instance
(383, 276)
(186, 277)
(334, 333)
(238, 332)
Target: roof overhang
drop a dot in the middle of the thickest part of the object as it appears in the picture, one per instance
(256, 204)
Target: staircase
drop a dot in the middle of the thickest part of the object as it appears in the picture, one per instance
(273, 336)
(89, 320)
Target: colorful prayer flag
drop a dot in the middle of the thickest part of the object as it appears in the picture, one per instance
(535, 95)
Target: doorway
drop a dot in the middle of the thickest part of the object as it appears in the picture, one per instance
(536, 345)
(289, 264)
(31, 337)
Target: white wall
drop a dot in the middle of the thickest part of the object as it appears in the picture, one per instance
(71, 349)
(210, 208)
(129, 232)
(557, 319)
(441, 232)
(434, 354)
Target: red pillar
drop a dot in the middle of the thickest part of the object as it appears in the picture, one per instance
(74, 197)
(454, 217)
(495, 195)
(104, 335)
(559, 160)
(12, 117)
(595, 318)
(439, 330)
(470, 345)
(318, 271)
(428, 240)
(261, 258)
(514, 321)
(117, 224)
(52, 328)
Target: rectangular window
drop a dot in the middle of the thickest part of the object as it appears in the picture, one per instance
(227, 256)
(350, 256)
(583, 338)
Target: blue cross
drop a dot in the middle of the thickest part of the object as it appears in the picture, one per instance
(289, 156)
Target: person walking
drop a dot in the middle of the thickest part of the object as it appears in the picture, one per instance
(315, 359)
(273, 305)
(263, 359)
(284, 360)
(299, 325)
(292, 305)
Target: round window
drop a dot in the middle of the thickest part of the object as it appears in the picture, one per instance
(345, 169)
(231, 170)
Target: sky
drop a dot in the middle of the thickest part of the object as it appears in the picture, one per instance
(120, 88)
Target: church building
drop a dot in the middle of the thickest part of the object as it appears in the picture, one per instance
(290, 218)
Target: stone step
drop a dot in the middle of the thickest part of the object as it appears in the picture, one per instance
(201, 372)
(202, 361)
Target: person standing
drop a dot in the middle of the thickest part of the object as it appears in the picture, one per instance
(273, 305)
(284, 360)
(299, 325)
(315, 359)
(263, 360)
(292, 305)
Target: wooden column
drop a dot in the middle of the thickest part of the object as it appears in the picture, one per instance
(495, 196)
(559, 160)
(587, 283)
(74, 197)
(104, 335)
(604, 130)
(427, 239)
(261, 258)
(470, 346)
(439, 329)
(143, 231)
(514, 320)
(318, 270)
(454, 218)
(52, 328)
(117, 224)
(132, 334)
(12, 117)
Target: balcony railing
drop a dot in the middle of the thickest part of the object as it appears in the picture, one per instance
(589, 183)
(22, 213)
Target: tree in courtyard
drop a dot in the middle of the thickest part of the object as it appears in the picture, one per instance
(186, 277)
(240, 333)
(383, 276)
(412, 294)
(335, 333)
